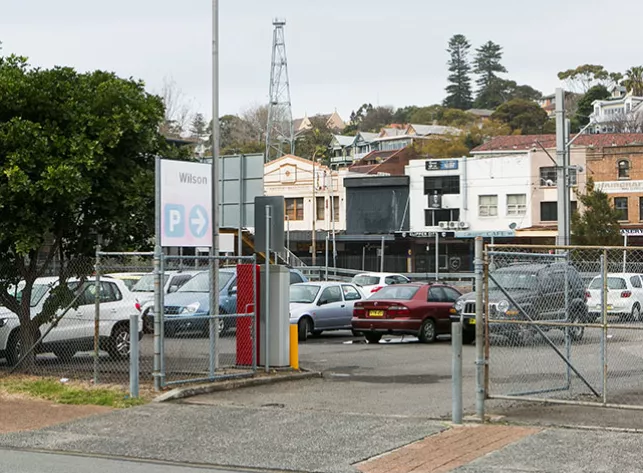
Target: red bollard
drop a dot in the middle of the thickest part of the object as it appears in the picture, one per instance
(245, 305)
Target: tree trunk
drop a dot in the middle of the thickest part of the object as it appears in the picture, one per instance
(27, 337)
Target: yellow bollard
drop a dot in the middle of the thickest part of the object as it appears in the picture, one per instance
(294, 346)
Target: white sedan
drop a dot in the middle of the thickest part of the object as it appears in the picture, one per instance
(373, 282)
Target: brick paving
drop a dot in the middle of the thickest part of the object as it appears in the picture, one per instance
(447, 450)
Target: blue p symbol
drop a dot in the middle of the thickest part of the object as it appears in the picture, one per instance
(174, 220)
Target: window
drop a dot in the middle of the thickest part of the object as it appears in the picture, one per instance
(620, 204)
(442, 184)
(295, 278)
(108, 293)
(331, 294)
(436, 294)
(549, 211)
(295, 209)
(516, 204)
(321, 208)
(335, 208)
(641, 208)
(432, 218)
(452, 294)
(636, 282)
(549, 176)
(623, 169)
(488, 205)
(350, 293)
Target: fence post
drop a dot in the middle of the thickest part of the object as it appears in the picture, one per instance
(158, 313)
(604, 265)
(480, 362)
(97, 314)
(456, 367)
(133, 355)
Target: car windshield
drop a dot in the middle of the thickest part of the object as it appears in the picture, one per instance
(514, 280)
(364, 280)
(303, 293)
(201, 282)
(401, 293)
(612, 283)
(38, 291)
(146, 283)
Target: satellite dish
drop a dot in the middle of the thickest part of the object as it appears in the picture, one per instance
(513, 225)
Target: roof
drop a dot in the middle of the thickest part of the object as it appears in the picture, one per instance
(367, 136)
(296, 123)
(386, 132)
(363, 169)
(424, 130)
(344, 140)
(527, 142)
(480, 112)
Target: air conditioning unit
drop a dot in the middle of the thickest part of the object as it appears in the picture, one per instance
(453, 225)
(444, 225)
(463, 225)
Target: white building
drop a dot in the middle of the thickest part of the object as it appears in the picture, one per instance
(622, 113)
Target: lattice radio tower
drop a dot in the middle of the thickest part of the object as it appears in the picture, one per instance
(280, 134)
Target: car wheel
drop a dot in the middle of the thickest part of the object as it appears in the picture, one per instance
(148, 322)
(576, 331)
(64, 355)
(221, 327)
(304, 327)
(356, 333)
(373, 337)
(427, 332)
(636, 313)
(14, 349)
(119, 343)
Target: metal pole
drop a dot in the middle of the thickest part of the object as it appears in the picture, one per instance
(214, 253)
(625, 253)
(456, 369)
(382, 256)
(157, 278)
(255, 309)
(314, 234)
(364, 258)
(97, 315)
(133, 355)
(563, 223)
(480, 362)
(241, 206)
(326, 254)
(161, 317)
(604, 264)
(266, 291)
(437, 255)
(287, 240)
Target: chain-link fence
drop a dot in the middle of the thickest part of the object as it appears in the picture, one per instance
(564, 324)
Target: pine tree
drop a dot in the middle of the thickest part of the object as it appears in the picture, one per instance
(488, 66)
(459, 89)
(199, 126)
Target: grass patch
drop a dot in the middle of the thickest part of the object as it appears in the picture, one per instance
(69, 393)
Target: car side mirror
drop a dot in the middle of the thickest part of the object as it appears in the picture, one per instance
(322, 302)
(233, 290)
(173, 289)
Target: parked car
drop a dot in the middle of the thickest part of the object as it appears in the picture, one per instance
(624, 296)
(373, 282)
(75, 331)
(417, 309)
(319, 306)
(144, 291)
(188, 308)
(130, 279)
(539, 290)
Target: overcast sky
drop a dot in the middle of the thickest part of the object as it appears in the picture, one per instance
(341, 53)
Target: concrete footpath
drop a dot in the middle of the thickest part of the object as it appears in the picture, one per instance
(275, 439)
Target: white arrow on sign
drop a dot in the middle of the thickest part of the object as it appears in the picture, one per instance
(199, 221)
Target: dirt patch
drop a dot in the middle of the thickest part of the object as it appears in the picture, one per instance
(22, 413)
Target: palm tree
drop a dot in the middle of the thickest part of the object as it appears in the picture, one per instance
(634, 81)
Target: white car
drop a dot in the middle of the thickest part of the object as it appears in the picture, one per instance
(624, 296)
(373, 282)
(75, 330)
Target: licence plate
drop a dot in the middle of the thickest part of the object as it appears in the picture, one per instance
(376, 313)
(609, 307)
(472, 321)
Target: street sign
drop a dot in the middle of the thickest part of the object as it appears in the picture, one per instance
(186, 206)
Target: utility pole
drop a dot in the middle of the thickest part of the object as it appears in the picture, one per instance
(562, 165)
(314, 234)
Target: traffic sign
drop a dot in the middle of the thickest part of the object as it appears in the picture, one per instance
(186, 216)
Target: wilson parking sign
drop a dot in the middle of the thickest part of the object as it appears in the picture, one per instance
(186, 204)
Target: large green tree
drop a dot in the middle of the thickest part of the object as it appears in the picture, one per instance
(522, 116)
(586, 76)
(586, 103)
(459, 88)
(76, 163)
(597, 224)
(487, 64)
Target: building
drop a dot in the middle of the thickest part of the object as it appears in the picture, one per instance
(342, 150)
(622, 113)
(384, 162)
(333, 121)
(400, 136)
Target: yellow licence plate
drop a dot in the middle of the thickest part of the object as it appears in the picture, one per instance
(472, 321)
(376, 313)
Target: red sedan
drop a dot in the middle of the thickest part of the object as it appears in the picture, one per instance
(422, 310)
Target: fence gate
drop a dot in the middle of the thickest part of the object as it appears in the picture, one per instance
(564, 324)
(197, 343)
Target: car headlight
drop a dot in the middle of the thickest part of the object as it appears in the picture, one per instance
(503, 306)
(191, 309)
(459, 306)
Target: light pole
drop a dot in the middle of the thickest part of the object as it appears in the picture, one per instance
(287, 239)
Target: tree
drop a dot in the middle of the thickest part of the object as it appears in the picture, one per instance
(403, 115)
(446, 146)
(316, 141)
(522, 116)
(177, 109)
(459, 88)
(487, 66)
(456, 118)
(477, 135)
(598, 224)
(634, 81)
(199, 127)
(586, 76)
(427, 115)
(76, 162)
(256, 116)
(376, 118)
(510, 90)
(586, 103)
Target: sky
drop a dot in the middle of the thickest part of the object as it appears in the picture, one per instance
(341, 53)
